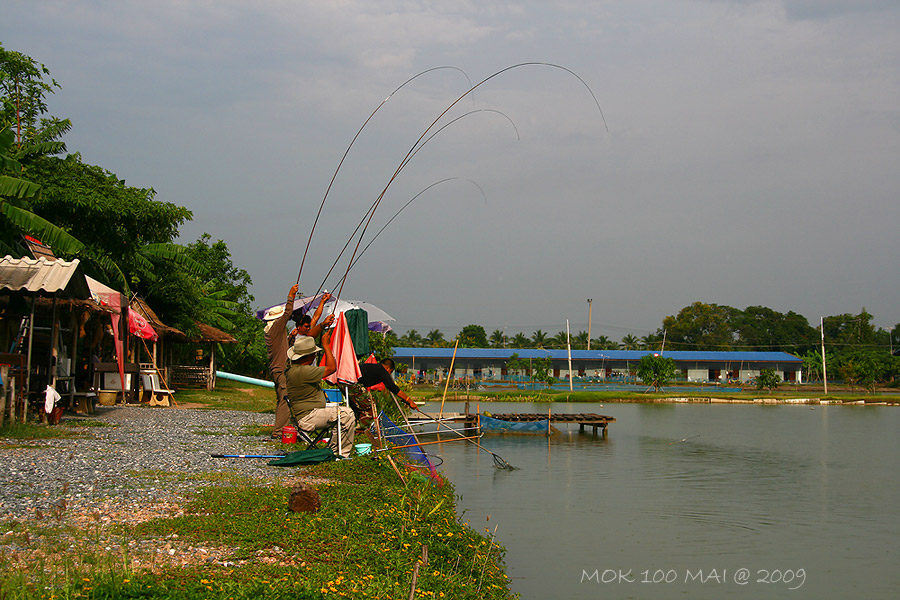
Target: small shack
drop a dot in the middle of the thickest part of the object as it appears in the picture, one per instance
(40, 301)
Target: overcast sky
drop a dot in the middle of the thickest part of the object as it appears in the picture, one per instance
(751, 156)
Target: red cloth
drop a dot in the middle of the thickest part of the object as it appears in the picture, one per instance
(139, 326)
(344, 355)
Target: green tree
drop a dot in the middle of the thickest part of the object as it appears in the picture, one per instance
(701, 327)
(604, 343)
(382, 344)
(434, 339)
(768, 379)
(411, 339)
(630, 342)
(812, 364)
(473, 336)
(651, 341)
(580, 340)
(119, 224)
(560, 340)
(763, 329)
(515, 365)
(655, 370)
(848, 330)
(24, 87)
(498, 339)
(864, 367)
(539, 339)
(220, 291)
(520, 340)
(542, 371)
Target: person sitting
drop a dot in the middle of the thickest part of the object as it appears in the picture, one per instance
(304, 390)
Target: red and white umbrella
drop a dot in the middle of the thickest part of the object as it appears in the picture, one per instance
(344, 354)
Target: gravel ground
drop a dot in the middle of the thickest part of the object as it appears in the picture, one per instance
(128, 465)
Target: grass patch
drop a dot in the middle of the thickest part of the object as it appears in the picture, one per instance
(364, 542)
(42, 431)
(784, 393)
(231, 395)
(255, 430)
(75, 423)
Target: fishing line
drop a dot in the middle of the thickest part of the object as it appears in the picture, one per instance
(406, 160)
(441, 115)
(347, 151)
(363, 251)
(498, 460)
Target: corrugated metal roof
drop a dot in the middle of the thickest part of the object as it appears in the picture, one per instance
(41, 276)
(559, 354)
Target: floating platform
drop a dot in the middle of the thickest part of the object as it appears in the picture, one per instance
(592, 420)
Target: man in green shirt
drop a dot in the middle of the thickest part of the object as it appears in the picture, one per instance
(304, 389)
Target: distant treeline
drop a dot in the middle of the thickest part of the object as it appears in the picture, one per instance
(698, 326)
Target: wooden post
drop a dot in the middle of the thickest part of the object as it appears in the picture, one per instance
(24, 415)
(4, 370)
(449, 376)
(211, 382)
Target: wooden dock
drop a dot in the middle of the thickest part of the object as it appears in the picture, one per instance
(595, 421)
(583, 420)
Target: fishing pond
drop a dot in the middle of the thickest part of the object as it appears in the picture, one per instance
(691, 501)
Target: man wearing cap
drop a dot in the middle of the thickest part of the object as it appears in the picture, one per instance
(304, 389)
(276, 347)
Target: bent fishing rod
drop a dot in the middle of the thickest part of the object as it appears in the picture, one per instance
(412, 150)
(380, 231)
(407, 159)
(347, 151)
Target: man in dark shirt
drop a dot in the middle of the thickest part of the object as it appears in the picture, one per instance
(374, 373)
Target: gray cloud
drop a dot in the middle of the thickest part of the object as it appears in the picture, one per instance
(750, 157)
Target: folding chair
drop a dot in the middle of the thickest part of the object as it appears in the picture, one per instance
(310, 438)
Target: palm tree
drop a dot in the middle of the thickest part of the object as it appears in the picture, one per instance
(580, 340)
(434, 338)
(411, 338)
(498, 339)
(539, 339)
(520, 340)
(603, 343)
(15, 197)
(629, 342)
(560, 340)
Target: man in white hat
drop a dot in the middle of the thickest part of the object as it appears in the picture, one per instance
(304, 381)
(276, 347)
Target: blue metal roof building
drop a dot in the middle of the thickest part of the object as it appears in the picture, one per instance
(490, 363)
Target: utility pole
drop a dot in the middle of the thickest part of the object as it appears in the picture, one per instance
(590, 306)
(824, 372)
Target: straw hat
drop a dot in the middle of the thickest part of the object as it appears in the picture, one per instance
(273, 313)
(304, 346)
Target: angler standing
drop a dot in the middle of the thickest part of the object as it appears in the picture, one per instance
(276, 347)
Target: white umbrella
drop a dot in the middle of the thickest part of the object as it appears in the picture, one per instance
(309, 303)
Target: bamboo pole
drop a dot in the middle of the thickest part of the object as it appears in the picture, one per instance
(447, 383)
(471, 437)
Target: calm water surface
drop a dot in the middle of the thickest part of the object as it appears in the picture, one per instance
(684, 501)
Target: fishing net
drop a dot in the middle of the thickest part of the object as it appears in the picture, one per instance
(492, 424)
(391, 432)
